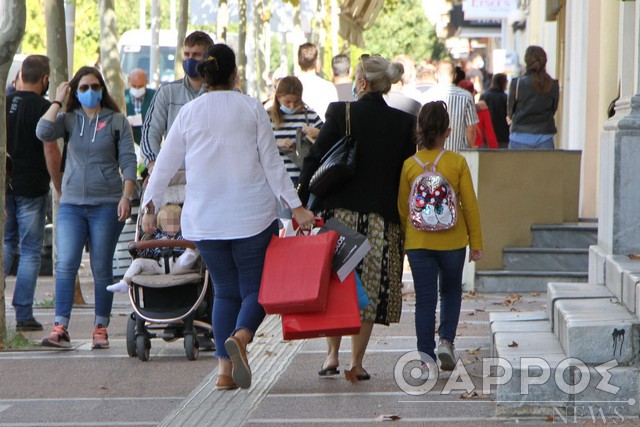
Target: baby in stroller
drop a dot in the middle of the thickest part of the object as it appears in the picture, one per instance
(160, 260)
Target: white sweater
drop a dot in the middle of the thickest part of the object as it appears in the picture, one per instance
(234, 172)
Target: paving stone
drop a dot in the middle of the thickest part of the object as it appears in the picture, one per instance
(516, 316)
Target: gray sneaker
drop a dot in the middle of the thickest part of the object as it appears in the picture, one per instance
(446, 355)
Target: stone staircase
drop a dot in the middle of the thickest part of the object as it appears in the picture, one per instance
(580, 357)
(558, 253)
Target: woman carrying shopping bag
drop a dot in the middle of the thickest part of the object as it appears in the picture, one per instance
(367, 201)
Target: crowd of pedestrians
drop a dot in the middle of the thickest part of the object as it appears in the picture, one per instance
(247, 166)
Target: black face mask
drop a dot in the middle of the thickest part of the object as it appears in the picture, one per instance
(45, 89)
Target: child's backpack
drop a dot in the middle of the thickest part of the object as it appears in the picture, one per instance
(432, 203)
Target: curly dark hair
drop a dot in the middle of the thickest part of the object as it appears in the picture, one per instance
(73, 103)
(218, 65)
(433, 122)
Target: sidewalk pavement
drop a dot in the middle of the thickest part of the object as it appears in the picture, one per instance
(45, 387)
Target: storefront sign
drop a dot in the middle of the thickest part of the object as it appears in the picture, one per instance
(488, 9)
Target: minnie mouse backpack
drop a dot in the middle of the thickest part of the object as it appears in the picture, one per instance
(433, 205)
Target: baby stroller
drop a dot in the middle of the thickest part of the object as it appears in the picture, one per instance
(168, 306)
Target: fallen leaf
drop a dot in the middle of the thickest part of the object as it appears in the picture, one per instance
(480, 310)
(471, 314)
(549, 418)
(513, 309)
(535, 294)
(260, 335)
(104, 388)
(269, 353)
(474, 351)
(513, 344)
(473, 395)
(387, 417)
(634, 257)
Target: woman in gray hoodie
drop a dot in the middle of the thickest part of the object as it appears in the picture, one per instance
(98, 157)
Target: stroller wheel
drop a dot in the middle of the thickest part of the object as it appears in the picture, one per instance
(131, 336)
(191, 346)
(143, 347)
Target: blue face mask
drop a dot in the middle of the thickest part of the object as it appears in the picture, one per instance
(189, 67)
(90, 98)
(288, 110)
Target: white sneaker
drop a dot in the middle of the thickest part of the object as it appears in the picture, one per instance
(446, 355)
(121, 286)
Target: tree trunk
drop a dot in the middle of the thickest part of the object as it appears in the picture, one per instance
(242, 41)
(55, 17)
(109, 56)
(259, 8)
(13, 19)
(223, 21)
(154, 53)
(183, 22)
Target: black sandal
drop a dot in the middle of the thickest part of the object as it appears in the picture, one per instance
(329, 371)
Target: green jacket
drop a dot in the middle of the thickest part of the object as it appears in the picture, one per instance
(148, 97)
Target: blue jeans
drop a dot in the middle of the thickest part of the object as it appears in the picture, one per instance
(432, 269)
(23, 235)
(236, 269)
(547, 144)
(77, 223)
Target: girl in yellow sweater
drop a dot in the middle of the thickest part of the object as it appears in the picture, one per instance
(437, 257)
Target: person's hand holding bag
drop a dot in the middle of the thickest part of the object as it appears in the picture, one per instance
(304, 218)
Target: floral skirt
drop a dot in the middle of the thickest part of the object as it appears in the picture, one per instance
(381, 269)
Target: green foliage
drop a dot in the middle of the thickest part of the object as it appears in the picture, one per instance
(87, 27)
(403, 28)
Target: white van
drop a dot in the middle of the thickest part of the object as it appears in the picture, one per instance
(135, 52)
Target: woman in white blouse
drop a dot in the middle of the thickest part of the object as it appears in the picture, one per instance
(235, 178)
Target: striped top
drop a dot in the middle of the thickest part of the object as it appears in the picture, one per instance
(462, 113)
(287, 129)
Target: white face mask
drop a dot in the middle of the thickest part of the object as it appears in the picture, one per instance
(137, 93)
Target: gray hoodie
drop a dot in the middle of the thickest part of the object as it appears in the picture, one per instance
(91, 175)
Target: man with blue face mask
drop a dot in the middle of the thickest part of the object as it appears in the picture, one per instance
(172, 96)
(138, 99)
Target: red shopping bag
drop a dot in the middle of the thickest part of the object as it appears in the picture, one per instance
(341, 317)
(296, 273)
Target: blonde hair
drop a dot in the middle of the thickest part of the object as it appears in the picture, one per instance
(168, 211)
(379, 73)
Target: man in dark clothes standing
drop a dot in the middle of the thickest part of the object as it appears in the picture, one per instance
(35, 164)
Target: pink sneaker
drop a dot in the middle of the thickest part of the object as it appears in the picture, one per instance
(59, 337)
(100, 338)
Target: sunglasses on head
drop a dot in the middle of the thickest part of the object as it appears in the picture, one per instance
(94, 87)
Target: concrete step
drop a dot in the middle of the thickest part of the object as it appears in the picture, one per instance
(523, 281)
(546, 259)
(578, 235)
(535, 382)
(596, 330)
(558, 291)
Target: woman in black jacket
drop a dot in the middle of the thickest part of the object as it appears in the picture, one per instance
(367, 202)
(496, 99)
(532, 103)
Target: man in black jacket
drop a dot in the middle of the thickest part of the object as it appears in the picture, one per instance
(34, 165)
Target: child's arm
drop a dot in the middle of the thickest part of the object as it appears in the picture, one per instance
(403, 196)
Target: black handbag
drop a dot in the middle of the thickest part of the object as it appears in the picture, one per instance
(338, 165)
